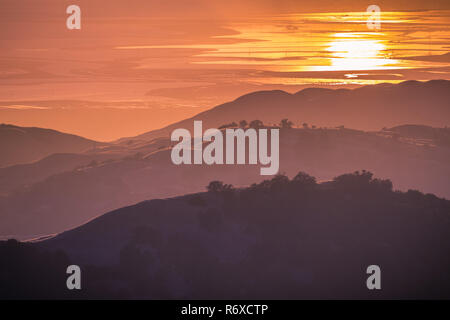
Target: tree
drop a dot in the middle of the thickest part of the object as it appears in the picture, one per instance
(218, 186)
(256, 124)
(279, 181)
(286, 124)
(304, 179)
(243, 124)
(228, 125)
(360, 181)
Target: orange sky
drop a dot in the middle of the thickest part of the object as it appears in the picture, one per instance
(138, 65)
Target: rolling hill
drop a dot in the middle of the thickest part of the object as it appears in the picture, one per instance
(64, 190)
(72, 197)
(279, 239)
(20, 145)
(367, 108)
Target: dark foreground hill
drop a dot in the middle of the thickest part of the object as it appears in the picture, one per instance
(278, 239)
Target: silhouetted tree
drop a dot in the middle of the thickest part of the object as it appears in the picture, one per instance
(228, 125)
(256, 124)
(360, 181)
(286, 124)
(304, 179)
(218, 186)
(243, 124)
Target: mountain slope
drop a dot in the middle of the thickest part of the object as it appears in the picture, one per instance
(73, 197)
(440, 136)
(28, 144)
(22, 175)
(278, 239)
(370, 107)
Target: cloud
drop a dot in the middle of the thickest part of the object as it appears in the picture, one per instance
(23, 107)
(434, 58)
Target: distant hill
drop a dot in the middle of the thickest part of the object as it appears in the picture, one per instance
(28, 144)
(280, 239)
(366, 108)
(24, 175)
(65, 189)
(51, 204)
(439, 136)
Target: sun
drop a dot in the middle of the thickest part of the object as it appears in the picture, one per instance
(354, 52)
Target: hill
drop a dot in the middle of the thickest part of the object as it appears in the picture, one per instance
(366, 108)
(279, 239)
(427, 134)
(24, 175)
(70, 198)
(28, 144)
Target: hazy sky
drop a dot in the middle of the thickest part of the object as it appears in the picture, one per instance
(138, 65)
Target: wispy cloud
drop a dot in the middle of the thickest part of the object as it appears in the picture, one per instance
(23, 107)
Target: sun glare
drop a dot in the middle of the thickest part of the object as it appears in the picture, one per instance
(361, 54)
(357, 53)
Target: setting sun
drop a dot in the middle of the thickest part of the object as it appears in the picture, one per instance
(356, 53)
